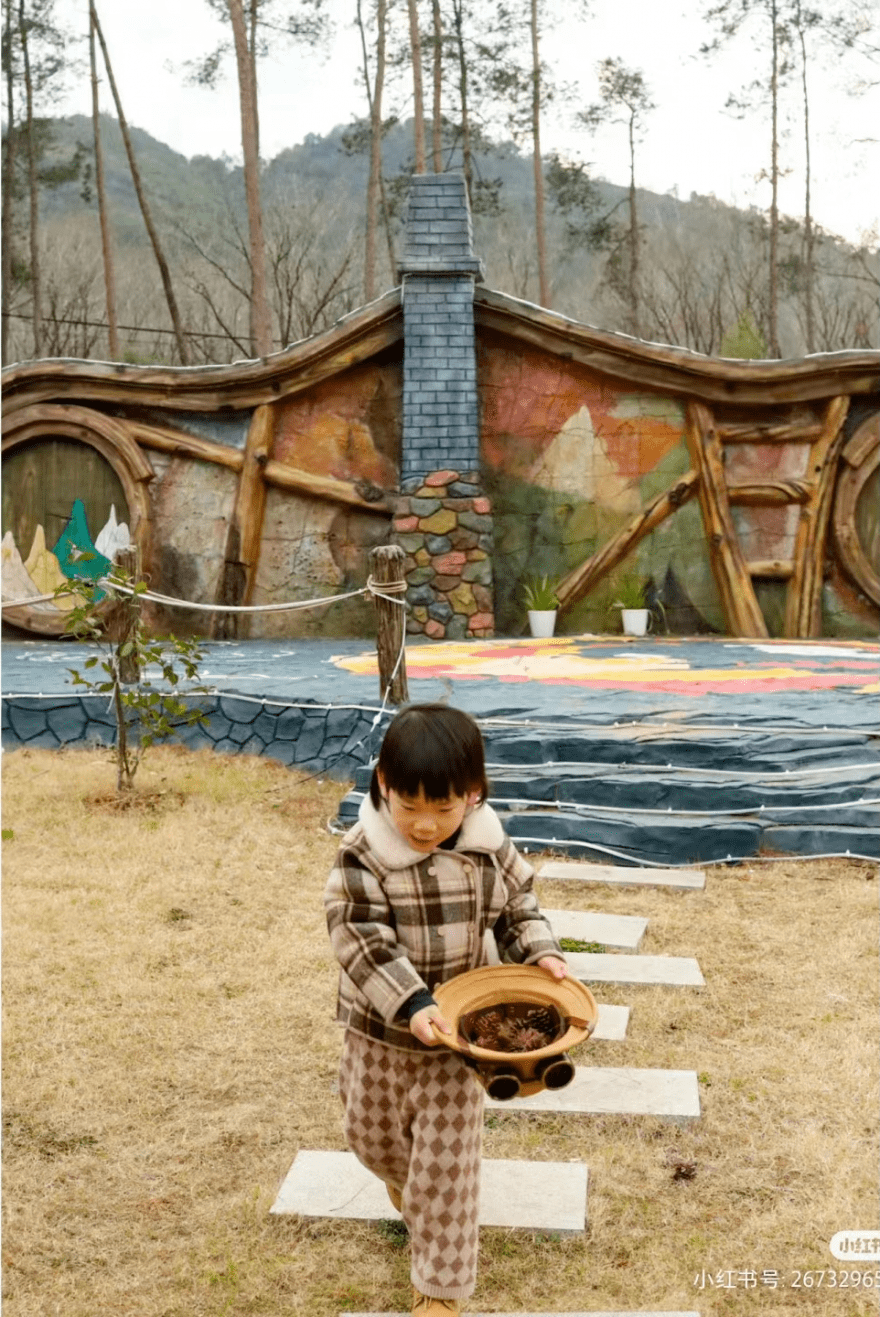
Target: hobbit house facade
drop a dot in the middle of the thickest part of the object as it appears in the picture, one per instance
(491, 439)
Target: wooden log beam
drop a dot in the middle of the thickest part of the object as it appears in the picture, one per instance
(386, 568)
(356, 338)
(675, 370)
(245, 529)
(788, 432)
(803, 606)
(176, 443)
(581, 580)
(773, 494)
(742, 611)
(277, 474)
(297, 481)
(770, 569)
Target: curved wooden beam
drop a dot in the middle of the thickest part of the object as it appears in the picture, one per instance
(859, 460)
(803, 604)
(242, 385)
(677, 370)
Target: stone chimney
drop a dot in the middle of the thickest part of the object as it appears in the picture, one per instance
(442, 521)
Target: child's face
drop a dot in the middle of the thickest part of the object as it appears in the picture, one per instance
(424, 823)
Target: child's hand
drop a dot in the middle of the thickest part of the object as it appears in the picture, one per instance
(420, 1025)
(553, 965)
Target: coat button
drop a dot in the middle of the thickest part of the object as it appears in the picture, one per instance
(432, 870)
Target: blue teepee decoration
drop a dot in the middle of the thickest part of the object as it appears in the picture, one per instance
(77, 556)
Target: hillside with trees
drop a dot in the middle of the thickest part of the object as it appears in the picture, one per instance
(116, 246)
(701, 274)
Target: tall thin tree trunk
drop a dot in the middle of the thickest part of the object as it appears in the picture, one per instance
(436, 124)
(633, 234)
(374, 98)
(33, 187)
(774, 186)
(8, 187)
(180, 337)
(260, 321)
(540, 241)
(106, 238)
(467, 165)
(808, 218)
(415, 42)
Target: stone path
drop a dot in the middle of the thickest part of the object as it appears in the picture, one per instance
(606, 1090)
(516, 1195)
(623, 932)
(596, 967)
(623, 876)
(612, 1023)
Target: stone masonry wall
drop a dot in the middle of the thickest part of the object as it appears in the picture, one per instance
(444, 524)
(443, 520)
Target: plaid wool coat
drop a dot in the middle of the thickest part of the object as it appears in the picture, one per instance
(401, 921)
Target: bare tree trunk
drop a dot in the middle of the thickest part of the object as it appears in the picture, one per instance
(436, 130)
(33, 188)
(774, 202)
(374, 184)
(415, 42)
(261, 324)
(633, 235)
(467, 165)
(808, 218)
(106, 239)
(180, 337)
(540, 241)
(8, 183)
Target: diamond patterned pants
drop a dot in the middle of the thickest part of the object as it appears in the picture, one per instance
(415, 1119)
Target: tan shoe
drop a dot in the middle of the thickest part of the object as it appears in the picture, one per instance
(424, 1306)
(396, 1196)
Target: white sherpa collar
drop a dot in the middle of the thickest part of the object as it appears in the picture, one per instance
(480, 831)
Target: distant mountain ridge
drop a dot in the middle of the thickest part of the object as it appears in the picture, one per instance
(180, 187)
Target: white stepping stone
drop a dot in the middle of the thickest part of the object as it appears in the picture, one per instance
(516, 1195)
(599, 967)
(604, 1313)
(623, 876)
(612, 1023)
(609, 1091)
(623, 931)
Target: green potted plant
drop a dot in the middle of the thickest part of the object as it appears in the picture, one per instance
(541, 604)
(635, 614)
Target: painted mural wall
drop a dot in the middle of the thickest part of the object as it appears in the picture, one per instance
(572, 456)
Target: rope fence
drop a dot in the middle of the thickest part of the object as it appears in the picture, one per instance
(389, 585)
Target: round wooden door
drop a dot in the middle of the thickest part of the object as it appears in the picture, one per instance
(42, 481)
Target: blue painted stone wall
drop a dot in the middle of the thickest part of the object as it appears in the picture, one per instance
(316, 738)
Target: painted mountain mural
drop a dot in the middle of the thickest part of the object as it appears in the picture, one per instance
(75, 556)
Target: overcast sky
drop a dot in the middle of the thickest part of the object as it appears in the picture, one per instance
(691, 143)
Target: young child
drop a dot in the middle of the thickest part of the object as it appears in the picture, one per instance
(426, 885)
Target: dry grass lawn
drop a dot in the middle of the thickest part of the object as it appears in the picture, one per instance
(169, 1046)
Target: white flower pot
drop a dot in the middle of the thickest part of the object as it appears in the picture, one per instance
(636, 621)
(542, 621)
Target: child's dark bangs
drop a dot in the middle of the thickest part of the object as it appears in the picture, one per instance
(439, 750)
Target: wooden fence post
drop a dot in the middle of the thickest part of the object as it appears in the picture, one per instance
(124, 615)
(387, 570)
